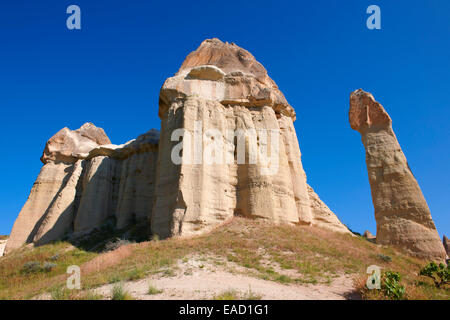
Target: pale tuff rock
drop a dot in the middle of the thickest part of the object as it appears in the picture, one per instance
(446, 243)
(402, 214)
(221, 86)
(69, 146)
(43, 195)
(83, 183)
(368, 235)
(58, 218)
(2, 246)
(225, 73)
(86, 181)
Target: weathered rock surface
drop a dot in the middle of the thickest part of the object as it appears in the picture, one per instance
(322, 215)
(220, 89)
(2, 246)
(446, 243)
(221, 86)
(402, 214)
(69, 146)
(368, 235)
(235, 78)
(86, 180)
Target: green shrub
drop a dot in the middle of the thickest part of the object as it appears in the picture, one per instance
(440, 274)
(384, 257)
(391, 285)
(36, 267)
(31, 267)
(48, 266)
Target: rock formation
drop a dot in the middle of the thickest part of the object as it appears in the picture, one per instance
(86, 180)
(368, 235)
(2, 246)
(446, 243)
(222, 86)
(401, 212)
(230, 128)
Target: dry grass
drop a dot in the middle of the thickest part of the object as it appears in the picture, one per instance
(106, 260)
(119, 293)
(286, 254)
(227, 295)
(153, 290)
(66, 294)
(14, 284)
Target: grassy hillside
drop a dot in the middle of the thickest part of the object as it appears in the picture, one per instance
(291, 255)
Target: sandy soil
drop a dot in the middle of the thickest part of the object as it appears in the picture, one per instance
(197, 279)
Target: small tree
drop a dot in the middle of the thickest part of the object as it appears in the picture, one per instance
(391, 285)
(440, 274)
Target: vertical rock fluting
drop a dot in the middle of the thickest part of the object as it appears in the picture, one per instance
(221, 88)
(50, 182)
(84, 182)
(48, 213)
(231, 112)
(402, 214)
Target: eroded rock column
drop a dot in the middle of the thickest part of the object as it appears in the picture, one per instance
(221, 88)
(402, 214)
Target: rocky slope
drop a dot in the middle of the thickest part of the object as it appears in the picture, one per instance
(249, 163)
(402, 214)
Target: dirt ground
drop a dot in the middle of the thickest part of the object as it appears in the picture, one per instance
(195, 278)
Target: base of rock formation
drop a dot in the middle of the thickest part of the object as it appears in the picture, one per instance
(83, 184)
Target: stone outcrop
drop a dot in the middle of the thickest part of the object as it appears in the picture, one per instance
(231, 128)
(221, 86)
(69, 146)
(401, 212)
(368, 235)
(446, 243)
(2, 246)
(86, 180)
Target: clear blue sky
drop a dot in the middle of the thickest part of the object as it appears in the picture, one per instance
(111, 70)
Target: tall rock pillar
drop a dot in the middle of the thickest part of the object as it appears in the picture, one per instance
(223, 97)
(402, 214)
